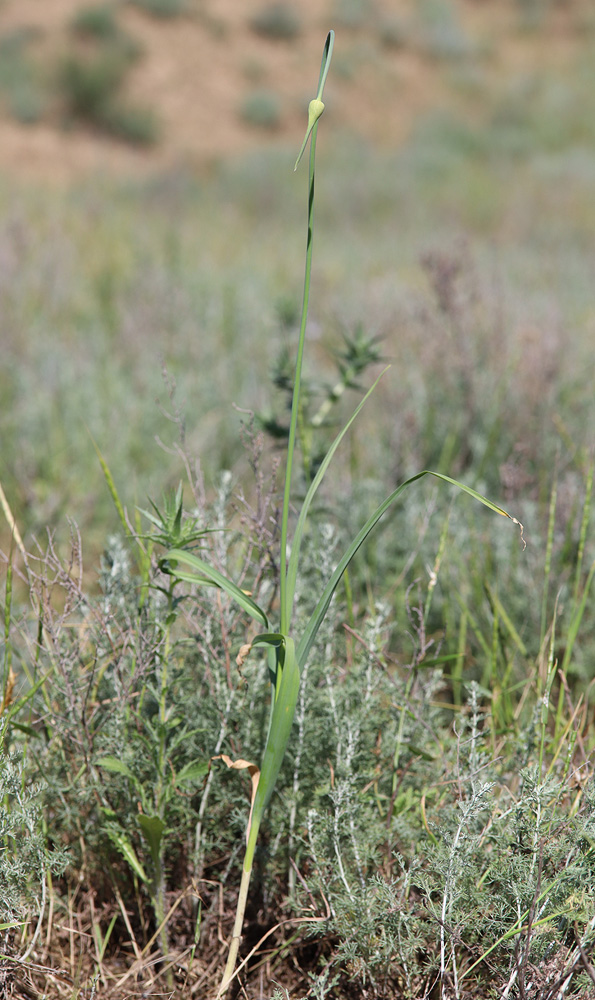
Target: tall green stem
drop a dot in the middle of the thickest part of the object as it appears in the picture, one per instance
(285, 608)
(286, 670)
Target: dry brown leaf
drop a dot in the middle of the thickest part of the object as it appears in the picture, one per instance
(253, 771)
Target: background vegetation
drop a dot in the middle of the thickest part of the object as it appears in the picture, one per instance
(432, 833)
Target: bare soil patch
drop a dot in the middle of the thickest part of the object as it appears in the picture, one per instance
(197, 69)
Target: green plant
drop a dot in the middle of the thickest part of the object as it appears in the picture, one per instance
(380, 791)
(26, 865)
(286, 655)
(97, 22)
(91, 82)
(91, 90)
(262, 109)
(90, 85)
(495, 868)
(359, 352)
(277, 20)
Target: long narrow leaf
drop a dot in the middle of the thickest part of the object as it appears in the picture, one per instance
(321, 608)
(280, 729)
(109, 480)
(575, 622)
(476, 496)
(206, 574)
(505, 618)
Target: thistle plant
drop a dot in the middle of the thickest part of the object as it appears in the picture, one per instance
(287, 652)
(359, 352)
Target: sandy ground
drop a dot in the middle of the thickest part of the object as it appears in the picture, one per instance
(197, 69)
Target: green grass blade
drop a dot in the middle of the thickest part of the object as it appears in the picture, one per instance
(321, 608)
(295, 402)
(109, 479)
(327, 55)
(505, 619)
(575, 622)
(12, 524)
(548, 557)
(476, 496)
(293, 563)
(15, 706)
(205, 574)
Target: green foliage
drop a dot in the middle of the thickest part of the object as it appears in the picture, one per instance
(277, 20)
(91, 83)
(90, 88)
(262, 109)
(358, 353)
(438, 833)
(98, 21)
(26, 863)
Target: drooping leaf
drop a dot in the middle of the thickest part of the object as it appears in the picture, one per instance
(253, 771)
(203, 573)
(319, 613)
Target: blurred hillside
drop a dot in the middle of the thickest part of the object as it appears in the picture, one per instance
(135, 85)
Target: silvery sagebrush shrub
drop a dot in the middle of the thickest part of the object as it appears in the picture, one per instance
(26, 862)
